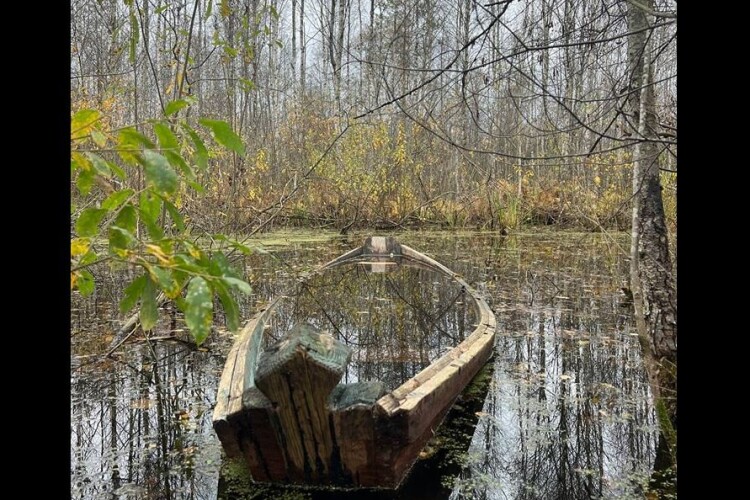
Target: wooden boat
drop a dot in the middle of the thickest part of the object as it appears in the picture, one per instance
(283, 409)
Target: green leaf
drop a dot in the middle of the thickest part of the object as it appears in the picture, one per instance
(247, 85)
(166, 245)
(88, 222)
(234, 243)
(101, 166)
(149, 313)
(85, 181)
(81, 161)
(181, 277)
(130, 136)
(120, 173)
(166, 137)
(231, 309)
(150, 208)
(199, 309)
(116, 199)
(174, 106)
(120, 239)
(174, 214)
(99, 138)
(177, 161)
(90, 257)
(170, 146)
(220, 266)
(84, 118)
(85, 283)
(198, 188)
(244, 249)
(127, 218)
(230, 51)
(129, 144)
(243, 286)
(158, 172)
(155, 231)
(201, 153)
(224, 135)
(209, 8)
(132, 293)
(165, 280)
(196, 253)
(187, 264)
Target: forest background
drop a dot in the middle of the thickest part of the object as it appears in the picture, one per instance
(197, 124)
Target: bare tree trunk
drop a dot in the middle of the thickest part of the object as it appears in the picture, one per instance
(651, 267)
(302, 47)
(294, 40)
(339, 50)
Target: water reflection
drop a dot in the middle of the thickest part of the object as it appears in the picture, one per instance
(141, 425)
(567, 415)
(396, 319)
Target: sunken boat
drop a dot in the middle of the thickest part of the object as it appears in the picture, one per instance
(343, 380)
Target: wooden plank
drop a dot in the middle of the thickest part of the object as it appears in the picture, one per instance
(351, 412)
(406, 417)
(297, 374)
(228, 434)
(259, 438)
(244, 352)
(404, 430)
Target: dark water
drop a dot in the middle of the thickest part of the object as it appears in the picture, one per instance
(567, 413)
(396, 320)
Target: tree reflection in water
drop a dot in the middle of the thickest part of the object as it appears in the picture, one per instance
(396, 322)
(141, 426)
(567, 415)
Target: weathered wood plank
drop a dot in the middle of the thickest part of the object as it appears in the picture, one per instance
(259, 438)
(298, 374)
(351, 412)
(234, 380)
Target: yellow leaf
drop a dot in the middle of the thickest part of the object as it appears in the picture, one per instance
(73, 279)
(597, 180)
(157, 252)
(79, 246)
(82, 162)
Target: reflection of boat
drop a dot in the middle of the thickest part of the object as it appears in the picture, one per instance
(282, 407)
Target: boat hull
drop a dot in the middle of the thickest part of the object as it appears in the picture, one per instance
(283, 411)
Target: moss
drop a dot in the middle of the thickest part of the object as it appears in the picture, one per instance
(235, 482)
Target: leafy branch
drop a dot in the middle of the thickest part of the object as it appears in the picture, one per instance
(144, 227)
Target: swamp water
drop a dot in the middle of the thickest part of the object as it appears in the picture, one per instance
(562, 410)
